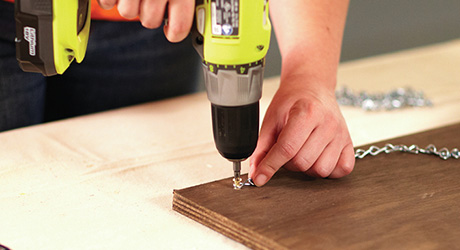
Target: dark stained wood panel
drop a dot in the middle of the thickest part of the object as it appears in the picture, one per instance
(399, 200)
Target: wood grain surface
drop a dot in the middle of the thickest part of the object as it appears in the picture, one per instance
(394, 201)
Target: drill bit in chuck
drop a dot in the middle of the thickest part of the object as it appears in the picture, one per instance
(237, 181)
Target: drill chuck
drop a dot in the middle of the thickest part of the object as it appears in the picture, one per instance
(235, 130)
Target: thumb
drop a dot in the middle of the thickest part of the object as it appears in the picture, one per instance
(267, 138)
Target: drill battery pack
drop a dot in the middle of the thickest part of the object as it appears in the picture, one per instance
(50, 34)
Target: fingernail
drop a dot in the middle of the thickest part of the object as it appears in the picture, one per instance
(260, 180)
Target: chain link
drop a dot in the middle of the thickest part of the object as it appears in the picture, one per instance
(443, 153)
(395, 99)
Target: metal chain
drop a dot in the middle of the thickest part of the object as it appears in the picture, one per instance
(443, 153)
(395, 99)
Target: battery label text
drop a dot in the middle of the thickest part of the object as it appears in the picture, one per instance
(31, 37)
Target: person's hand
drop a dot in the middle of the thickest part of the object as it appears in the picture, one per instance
(152, 12)
(303, 130)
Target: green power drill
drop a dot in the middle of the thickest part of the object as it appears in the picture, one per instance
(231, 36)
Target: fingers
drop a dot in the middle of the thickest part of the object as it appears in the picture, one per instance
(327, 161)
(345, 164)
(128, 8)
(311, 150)
(290, 140)
(107, 4)
(180, 18)
(152, 13)
(313, 140)
(268, 134)
(325, 156)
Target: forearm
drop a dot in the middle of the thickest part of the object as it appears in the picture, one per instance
(309, 34)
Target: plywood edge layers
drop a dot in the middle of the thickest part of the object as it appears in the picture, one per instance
(221, 224)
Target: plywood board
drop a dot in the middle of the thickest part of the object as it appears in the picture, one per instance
(397, 200)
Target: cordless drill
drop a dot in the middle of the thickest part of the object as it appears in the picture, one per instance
(232, 38)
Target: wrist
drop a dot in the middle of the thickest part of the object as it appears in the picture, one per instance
(312, 63)
(308, 76)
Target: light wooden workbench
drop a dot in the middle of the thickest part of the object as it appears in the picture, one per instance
(105, 181)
